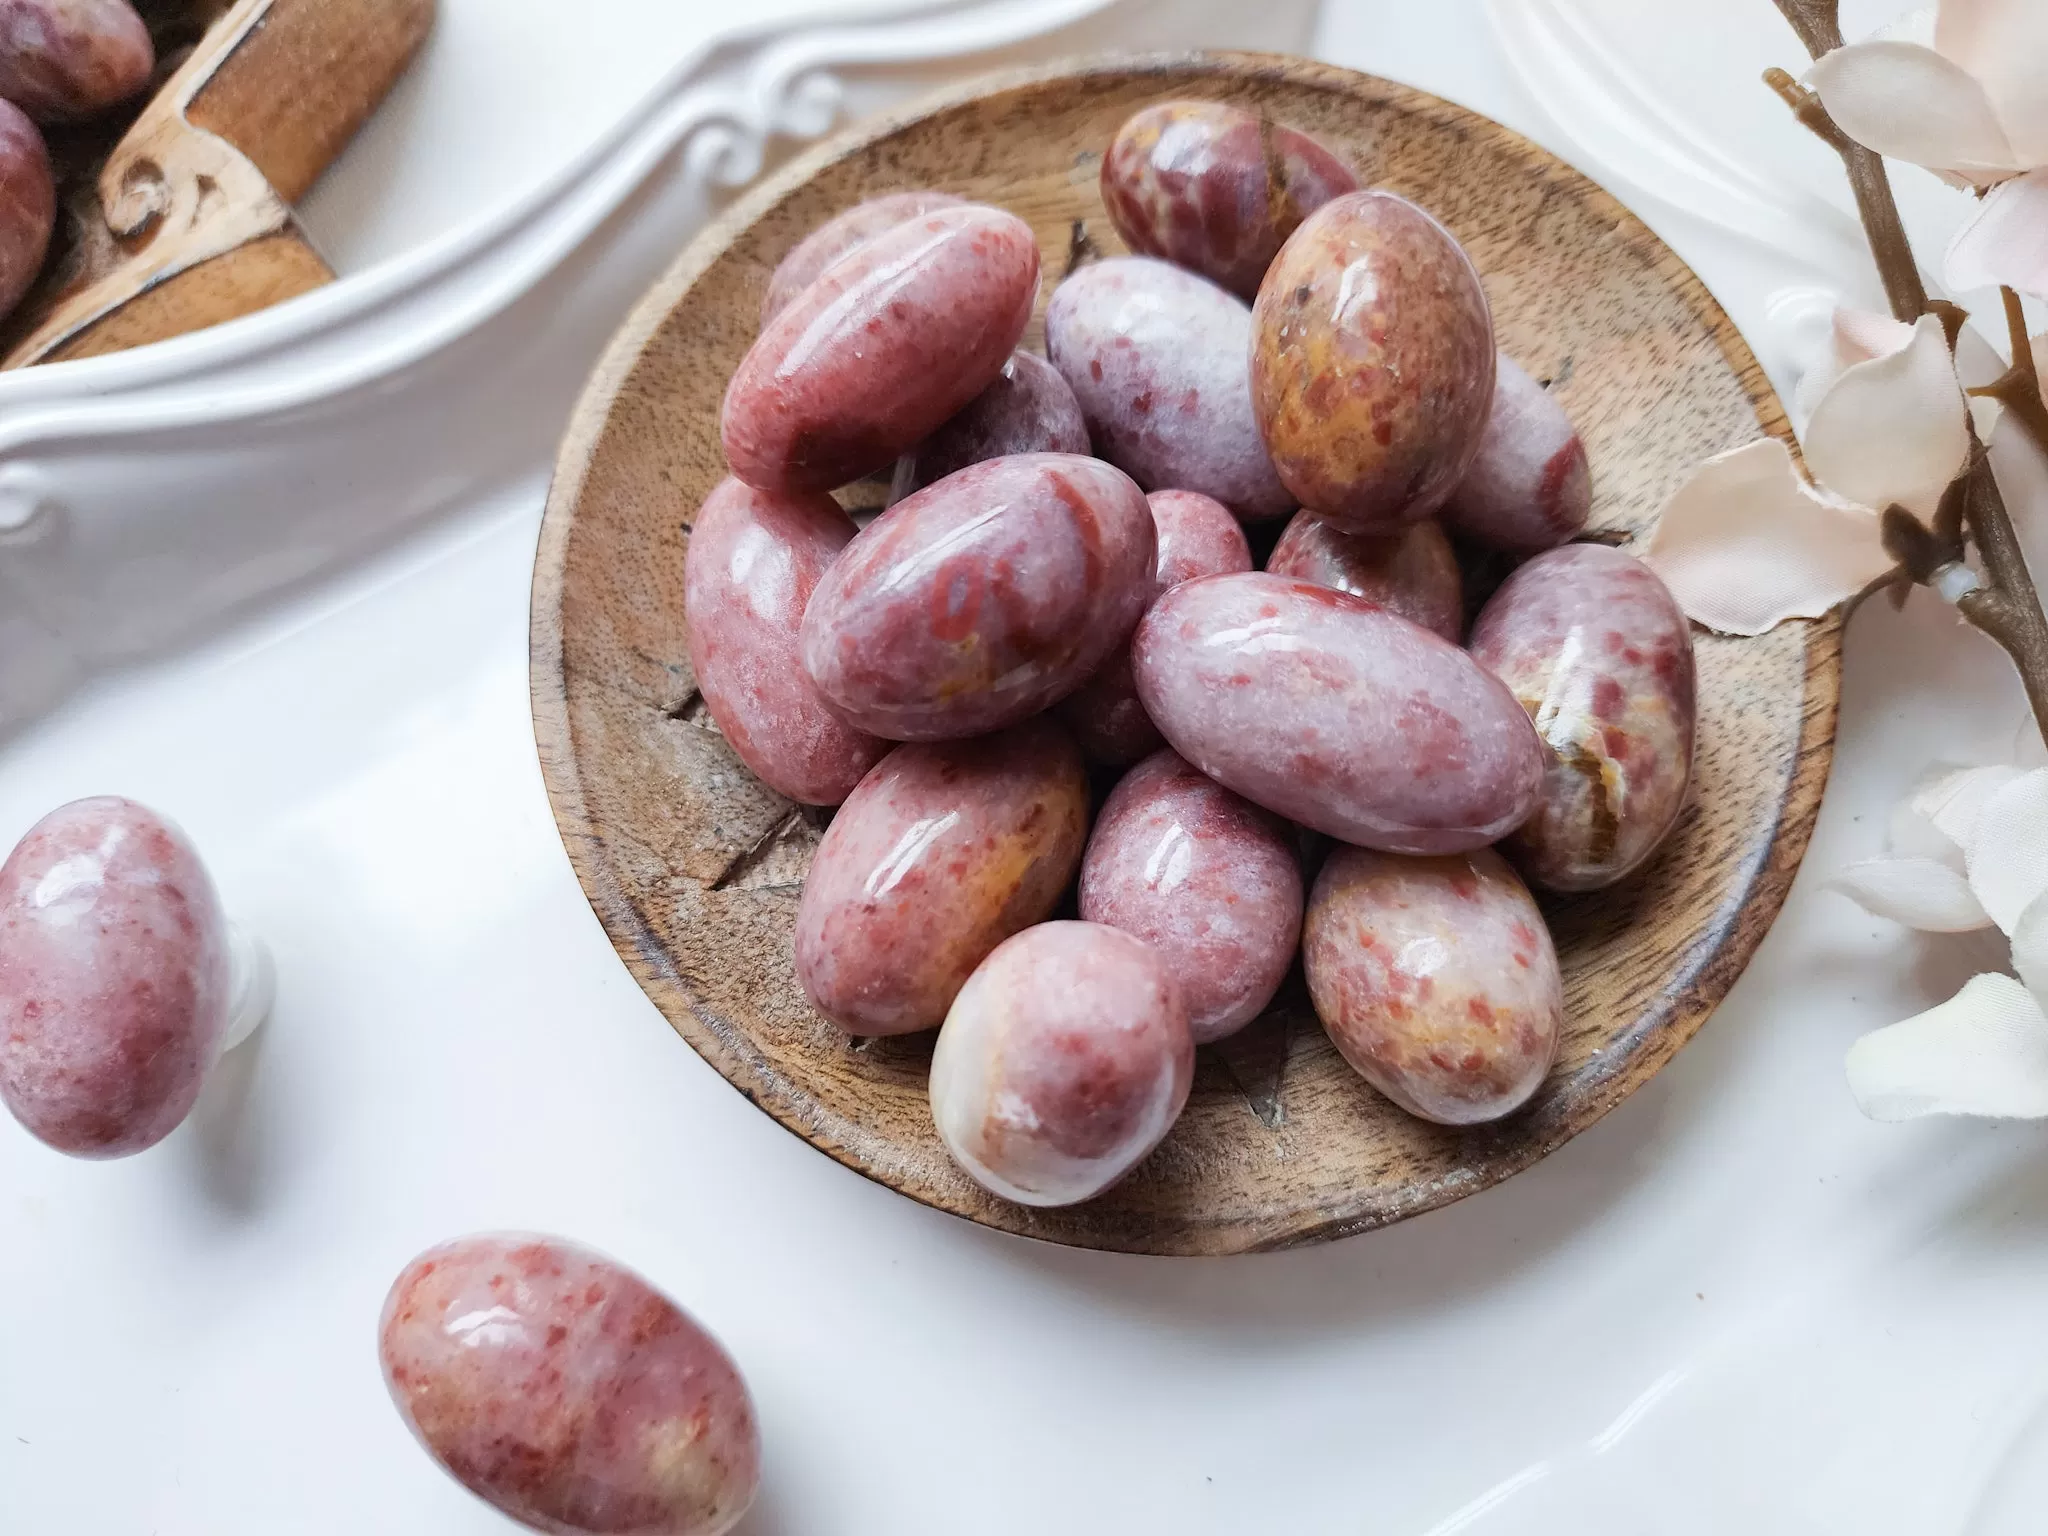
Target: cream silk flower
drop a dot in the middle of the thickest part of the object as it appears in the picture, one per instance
(1970, 850)
(1961, 89)
(1747, 542)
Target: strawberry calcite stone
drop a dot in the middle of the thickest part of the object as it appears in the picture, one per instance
(114, 978)
(1338, 715)
(1064, 1061)
(1157, 358)
(1206, 878)
(1530, 486)
(831, 240)
(568, 1392)
(1216, 189)
(1413, 573)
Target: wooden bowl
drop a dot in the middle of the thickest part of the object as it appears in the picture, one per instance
(695, 868)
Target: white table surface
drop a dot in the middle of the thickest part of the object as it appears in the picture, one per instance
(1734, 1304)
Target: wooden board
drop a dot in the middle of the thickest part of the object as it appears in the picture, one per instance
(695, 868)
(186, 219)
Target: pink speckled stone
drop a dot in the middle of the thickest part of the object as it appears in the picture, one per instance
(890, 341)
(1064, 1061)
(1336, 714)
(1214, 188)
(755, 558)
(1414, 573)
(1530, 487)
(1198, 536)
(1437, 979)
(1158, 359)
(28, 204)
(62, 60)
(836, 236)
(942, 853)
(568, 1392)
(1206, 878)
(983, 599)
(1595, 647)
(1029, 409)
(113, 978)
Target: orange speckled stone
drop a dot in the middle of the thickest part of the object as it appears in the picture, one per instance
(1437, 980)
(1372, 363)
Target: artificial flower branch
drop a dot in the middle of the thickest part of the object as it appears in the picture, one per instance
(2005, 606)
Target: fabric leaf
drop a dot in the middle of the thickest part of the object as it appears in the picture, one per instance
(2007, 849)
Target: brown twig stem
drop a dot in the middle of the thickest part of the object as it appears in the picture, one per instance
(2018, 389)
(2006, 607)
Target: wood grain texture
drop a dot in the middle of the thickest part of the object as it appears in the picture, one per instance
(187, 221)
(695, 868)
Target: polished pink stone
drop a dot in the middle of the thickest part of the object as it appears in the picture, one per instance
(568, 1392)
(890, 341)
(754, 560)
(831, 240)
(1198, 536)
(1336, 714)
(1206, 878)
(1530, 486)
(1064, 1061)
(113, 978)
(1413, 573)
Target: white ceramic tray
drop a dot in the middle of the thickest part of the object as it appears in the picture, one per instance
(273, 580)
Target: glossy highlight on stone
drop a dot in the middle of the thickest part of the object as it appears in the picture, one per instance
(1336, 714)
(114, 978)
(755, 558)
(1197, 537)
(1372, 363)
(61, 60)
(889, 342)
(1530, 487)
(1028, 409)
(983, 599)
(942, 853)
(1595, 647)
(1206, 878)
(809, 257)
(1063, 1062)
(566, 1391)
(1413, 573)
(1437, 979)
(1156, 356)
(1214, 188)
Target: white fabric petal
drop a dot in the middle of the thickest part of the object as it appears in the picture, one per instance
(2030, 947)
(1913, 27)
(1953, 801)
(1854, 336)
(1907, 101)
(2007, 850)
(1745, 543)
(1912, 835)
(1895, 428)
(2005, 244)
(1921, 893)
(1983, 1052)
(2003, 44)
